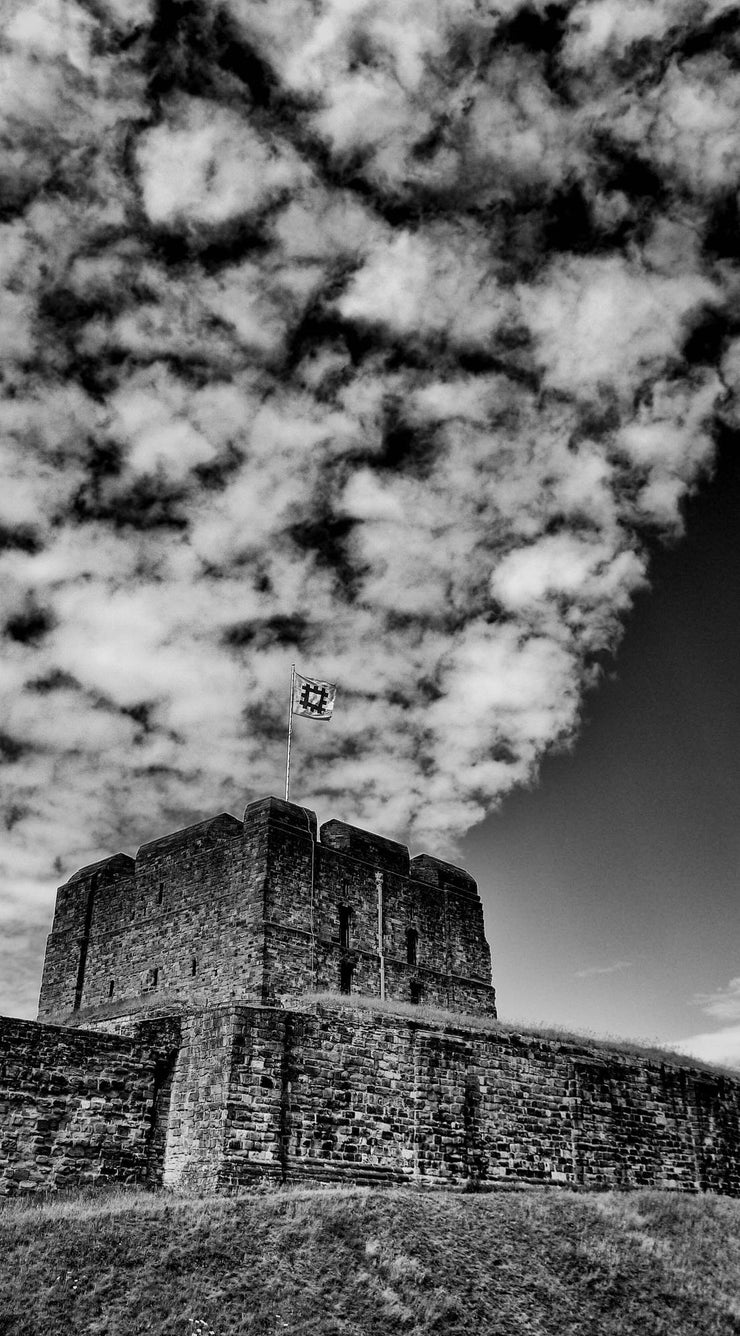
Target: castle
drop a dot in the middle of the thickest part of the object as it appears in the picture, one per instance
(260, 909)
(251, 1000)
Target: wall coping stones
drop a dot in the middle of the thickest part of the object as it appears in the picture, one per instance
(108, 869)
(279, 813)
(383, 854)
(204, 834)
(38, 1030)
(444, 875)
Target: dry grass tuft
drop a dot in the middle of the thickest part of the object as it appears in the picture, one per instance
(438, 1017)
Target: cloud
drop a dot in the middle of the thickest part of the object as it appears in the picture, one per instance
(591, 971)
(724, 1005)
(721, 1046)
(374, 336)
(206, 165)
(607, 319)
(426, 283)
(21, 955)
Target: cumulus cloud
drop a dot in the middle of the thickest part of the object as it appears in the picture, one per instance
(724, 1005)
(371, 334)
(206, 165)
(720, 1045)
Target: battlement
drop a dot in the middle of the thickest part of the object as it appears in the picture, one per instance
(256, 910)
(378, 852)
(280, 813)
(445, 875)
(190, 841)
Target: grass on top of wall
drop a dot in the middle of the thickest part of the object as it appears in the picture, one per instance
(456, 1020)
(359, 1262)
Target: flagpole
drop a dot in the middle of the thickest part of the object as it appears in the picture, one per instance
(290, 732)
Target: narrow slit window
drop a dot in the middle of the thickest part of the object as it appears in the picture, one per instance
(415, 991)
(345, 977)
(412, 943)
(194, 966)
(160, 893)
(344, 921)
(111, 987)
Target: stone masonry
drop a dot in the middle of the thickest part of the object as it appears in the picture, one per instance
(261, 909)
(79, 1108)
(336, 1093)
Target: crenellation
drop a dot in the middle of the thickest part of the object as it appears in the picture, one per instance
(446, 876)
(362, 845)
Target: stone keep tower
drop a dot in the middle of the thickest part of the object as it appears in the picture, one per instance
(258, 910)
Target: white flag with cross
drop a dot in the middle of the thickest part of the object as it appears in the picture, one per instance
(314, 700)
(311, 699)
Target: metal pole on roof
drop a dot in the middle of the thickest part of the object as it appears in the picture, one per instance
(290, 732)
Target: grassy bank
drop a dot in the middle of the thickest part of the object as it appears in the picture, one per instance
(358, 1263)
(558, 1034)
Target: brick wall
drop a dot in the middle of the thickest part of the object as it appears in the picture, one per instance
(78, 1108)
(348, 1093)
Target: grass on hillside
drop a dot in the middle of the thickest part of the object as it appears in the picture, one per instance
(353, 1262)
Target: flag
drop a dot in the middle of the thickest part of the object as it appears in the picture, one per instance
(313, 699)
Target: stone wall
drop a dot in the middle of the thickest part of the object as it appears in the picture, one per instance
(349, 1093)
(252, 911)
(160, 928)
(78, 1108)
(331, 907)
(226, 1097)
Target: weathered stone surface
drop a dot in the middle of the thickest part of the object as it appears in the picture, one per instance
(378, 1098)
(258, 910)
(226, 1097)
(78, 1108)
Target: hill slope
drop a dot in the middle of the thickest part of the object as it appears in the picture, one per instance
(357, 1263)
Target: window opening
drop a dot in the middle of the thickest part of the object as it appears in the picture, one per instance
(345, 977)
(344, 920)
(415, 991)
(412, 941)
(194, 967)
(151, 980)
(111, 988)
(160, 893)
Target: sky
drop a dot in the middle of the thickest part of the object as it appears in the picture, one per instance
(396, 339)
(611, 888)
